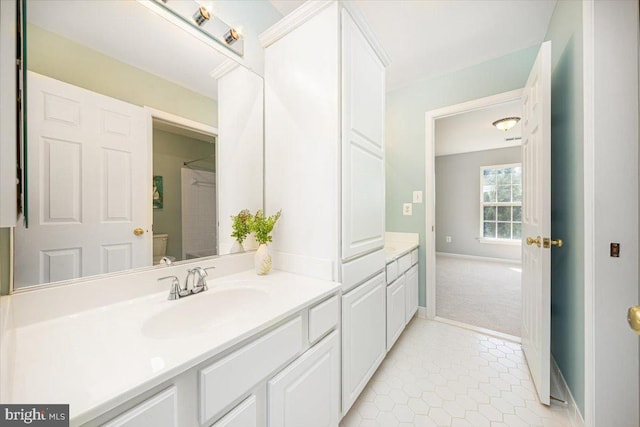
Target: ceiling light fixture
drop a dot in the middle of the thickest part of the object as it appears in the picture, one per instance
(232, 36)
(506, 123)
(201, 16)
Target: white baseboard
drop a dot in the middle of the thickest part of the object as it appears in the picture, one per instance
(479, 258)
(422, 312)
(559, 385)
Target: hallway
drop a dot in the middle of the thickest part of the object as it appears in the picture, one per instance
(442, 375)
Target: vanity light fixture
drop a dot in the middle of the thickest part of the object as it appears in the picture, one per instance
(232, 36)
(201, 16)
(506, 123)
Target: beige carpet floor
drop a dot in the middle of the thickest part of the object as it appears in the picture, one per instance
(480, 293)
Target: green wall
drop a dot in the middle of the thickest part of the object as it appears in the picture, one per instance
(68, 61)
(170, 151)
(567, 195)
(405, 134)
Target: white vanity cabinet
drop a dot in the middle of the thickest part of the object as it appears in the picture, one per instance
(402, 293)
(363, 336)
(325, 167)
(279, 377)
(307, 392)
(412, 282)
(396, 309)
(159, 411)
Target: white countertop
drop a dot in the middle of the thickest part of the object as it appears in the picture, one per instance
(97, 359)
(398, 244)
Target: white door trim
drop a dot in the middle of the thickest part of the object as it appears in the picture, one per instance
(430, 193)
(188, 124)
(589, 212)
(181, 121)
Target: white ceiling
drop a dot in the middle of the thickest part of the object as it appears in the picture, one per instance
(131, 33)
(473, 131)
(427, 38)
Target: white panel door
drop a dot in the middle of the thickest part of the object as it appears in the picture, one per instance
(411, 292)
(307, 392)
(363, 104)
(396, 301)
(89, 185)
(536, 222)
(363, 336)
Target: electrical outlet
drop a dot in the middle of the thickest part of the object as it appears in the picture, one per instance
(448, 239)
(407, 209)
(417, 196)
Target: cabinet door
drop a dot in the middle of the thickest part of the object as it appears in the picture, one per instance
(307, 392)
(412, 292)
(396, 301)
(363, 106)
(363, 336)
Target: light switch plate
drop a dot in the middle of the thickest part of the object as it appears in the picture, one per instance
(407, 209)
(417, 196)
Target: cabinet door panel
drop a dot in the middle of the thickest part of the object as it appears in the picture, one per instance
(363, 169)
(363, 336)
(396, 301)
(307, 392)
(412, 292)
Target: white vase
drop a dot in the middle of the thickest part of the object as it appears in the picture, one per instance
(262, 260)
(236, 247)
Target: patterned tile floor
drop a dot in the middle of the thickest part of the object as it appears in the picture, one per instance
(442, 375)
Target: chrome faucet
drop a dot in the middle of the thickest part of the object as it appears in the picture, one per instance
(176, 291)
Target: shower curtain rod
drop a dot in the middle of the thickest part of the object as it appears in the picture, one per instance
(197, 160)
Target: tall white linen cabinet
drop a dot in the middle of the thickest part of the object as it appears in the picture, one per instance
(325, 168)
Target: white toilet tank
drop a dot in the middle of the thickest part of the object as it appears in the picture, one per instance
(159, 246)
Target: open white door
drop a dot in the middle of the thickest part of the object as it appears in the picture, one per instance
(536, 222)
(89, 185)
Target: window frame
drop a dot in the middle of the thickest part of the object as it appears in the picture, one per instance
(496, 240)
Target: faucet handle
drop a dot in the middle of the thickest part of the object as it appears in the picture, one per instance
(174, 291)
(201, 284)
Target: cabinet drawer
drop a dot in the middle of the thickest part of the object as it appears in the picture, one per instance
(323, 317)
(414, 256)
(226, 380)
(404, 263)
(161, 410)
(243, 415)
(392, 271)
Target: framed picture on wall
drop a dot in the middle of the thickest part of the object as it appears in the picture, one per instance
(157, 192)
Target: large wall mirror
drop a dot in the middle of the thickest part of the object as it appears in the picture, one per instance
(141, 140)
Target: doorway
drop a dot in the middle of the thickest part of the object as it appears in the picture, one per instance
(478, 186)
(184, 205)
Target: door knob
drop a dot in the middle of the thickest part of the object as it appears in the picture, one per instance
(548, 242)
(138, 231)
(537, 241)
(633, 317)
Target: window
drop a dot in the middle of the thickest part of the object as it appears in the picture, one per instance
(501, 202)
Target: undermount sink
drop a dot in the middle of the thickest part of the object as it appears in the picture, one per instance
(202, 311)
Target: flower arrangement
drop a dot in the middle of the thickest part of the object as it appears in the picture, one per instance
(241, 225)
(262, 225)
